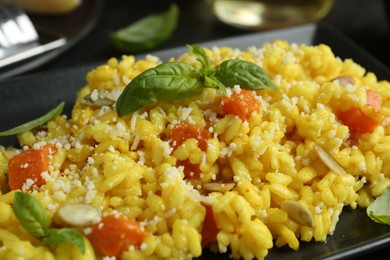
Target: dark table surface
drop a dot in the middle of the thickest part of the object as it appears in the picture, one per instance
(366, 22)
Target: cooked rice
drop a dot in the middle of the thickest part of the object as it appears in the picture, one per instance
(126, 165)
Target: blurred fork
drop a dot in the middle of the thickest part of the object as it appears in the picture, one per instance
(19, 40)
(15, 26)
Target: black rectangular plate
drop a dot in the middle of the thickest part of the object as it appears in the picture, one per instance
(26, 98)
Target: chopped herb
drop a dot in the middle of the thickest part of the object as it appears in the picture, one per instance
(100, 100)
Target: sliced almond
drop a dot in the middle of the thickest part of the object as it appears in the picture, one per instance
(79, 215)
(329, 161)
(220, 187)
(298, 212)
(345, 80)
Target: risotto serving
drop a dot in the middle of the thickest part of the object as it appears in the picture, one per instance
(238, 157)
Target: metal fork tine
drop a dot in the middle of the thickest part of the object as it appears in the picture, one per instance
(19, 40)
(15, 26)
(9, 27)
(3, 40)
(26, 27)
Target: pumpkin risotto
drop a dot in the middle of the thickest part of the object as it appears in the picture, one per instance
(240, 171)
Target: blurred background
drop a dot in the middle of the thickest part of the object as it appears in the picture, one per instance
(364, 21)
(87, 27)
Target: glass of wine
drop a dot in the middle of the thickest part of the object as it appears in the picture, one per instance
(269, 14)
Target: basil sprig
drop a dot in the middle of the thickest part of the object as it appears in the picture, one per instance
(206, 72)
(180, 81)
(33, 217)
(147, 33)
(34, 123)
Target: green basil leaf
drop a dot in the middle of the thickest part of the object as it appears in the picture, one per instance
(165, 82)
(202, 57)
(31, 215)
(147, 33)
(212, 81)
(36, 122)
(246, 74)
(379, 210)
(65, 235)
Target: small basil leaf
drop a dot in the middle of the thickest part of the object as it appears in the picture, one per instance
(165, 82)
(31, 215)
(147, 33)
(212, 81)
(65, 235)
(36, 122)
(202, 57)
(246, 74)
(379, 210)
